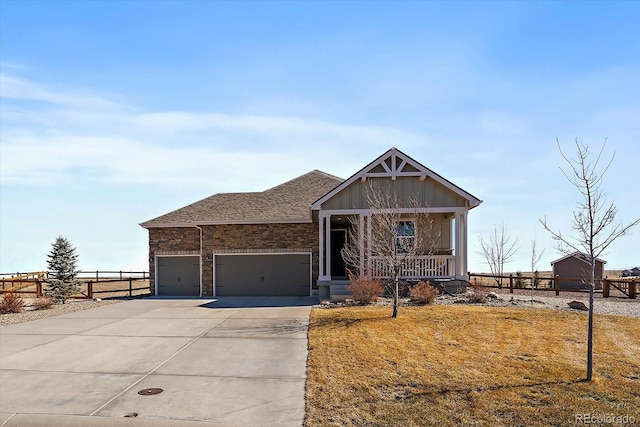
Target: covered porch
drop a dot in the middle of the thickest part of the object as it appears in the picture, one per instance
(396, 187)
(446, 261)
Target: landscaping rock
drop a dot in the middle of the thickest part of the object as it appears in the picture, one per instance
(577, 305)
(492, 295)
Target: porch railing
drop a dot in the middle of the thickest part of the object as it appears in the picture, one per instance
(416, 267)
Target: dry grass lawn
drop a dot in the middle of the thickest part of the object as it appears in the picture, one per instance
(467, 365)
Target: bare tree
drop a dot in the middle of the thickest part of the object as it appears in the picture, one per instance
(498, 250)
(594, 219)
(535, 259)
(390, 238)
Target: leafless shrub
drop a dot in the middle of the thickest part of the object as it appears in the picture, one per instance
(11, 302)
(42, 303)
(478, 293)
(363, 289)
(423, 293)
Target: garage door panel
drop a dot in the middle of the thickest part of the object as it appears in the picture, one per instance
(178, 276)
(263, 275)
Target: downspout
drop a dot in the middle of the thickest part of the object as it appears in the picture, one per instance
(201, 260)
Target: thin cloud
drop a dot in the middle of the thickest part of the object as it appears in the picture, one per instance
(122, 147)
(16, 88)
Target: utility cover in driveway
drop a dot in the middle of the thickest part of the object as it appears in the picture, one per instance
(263, 275)
(179, 276)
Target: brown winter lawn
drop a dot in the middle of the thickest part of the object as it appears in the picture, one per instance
(468, 365)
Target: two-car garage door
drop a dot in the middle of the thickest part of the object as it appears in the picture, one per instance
(237, 275)
(263, 275)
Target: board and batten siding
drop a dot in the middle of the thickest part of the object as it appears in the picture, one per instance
(428, 192)
(574, 268)
(442, 227)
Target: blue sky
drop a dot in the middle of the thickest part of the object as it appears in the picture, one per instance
(115, 112)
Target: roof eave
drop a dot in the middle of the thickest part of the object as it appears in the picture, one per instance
(228, 222)
(149, 225)
(573, 255)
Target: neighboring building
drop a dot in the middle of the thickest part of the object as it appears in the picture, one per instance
(287, 240)
(635, 271)
(573, 270)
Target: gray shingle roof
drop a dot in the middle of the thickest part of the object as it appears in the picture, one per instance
(579, 255)
(287, 202)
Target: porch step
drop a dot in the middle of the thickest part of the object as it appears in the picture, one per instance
(339, 292)
(334, 290)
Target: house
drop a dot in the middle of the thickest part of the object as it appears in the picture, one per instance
(287, 240)
(634, 272)
(574, 269)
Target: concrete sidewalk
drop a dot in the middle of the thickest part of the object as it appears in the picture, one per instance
(231, 362)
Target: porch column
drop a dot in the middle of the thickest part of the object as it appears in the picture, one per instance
(368, 256)
(327, 248)
(320, 246)
(322, 270)
(461, 245)
(361, 244)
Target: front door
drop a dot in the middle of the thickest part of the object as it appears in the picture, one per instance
(338, 239)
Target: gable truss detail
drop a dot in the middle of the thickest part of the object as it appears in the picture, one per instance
(394, 165)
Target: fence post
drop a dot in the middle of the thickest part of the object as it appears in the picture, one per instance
(510, 283)
(605, 288)
(556, 284)
(120, 274)
(632, 288)
(130, 280)
(90, 289)
(38, 289)
(97, 278)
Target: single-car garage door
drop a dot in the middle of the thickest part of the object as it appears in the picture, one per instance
(263, 275)
(178, 275)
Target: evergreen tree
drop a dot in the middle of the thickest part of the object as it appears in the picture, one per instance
(62, 281)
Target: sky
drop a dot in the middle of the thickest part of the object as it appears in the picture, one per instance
(116, 112)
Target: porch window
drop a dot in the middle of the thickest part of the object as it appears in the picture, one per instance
(405, 236)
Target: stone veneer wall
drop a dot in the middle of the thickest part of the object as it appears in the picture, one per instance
(168, 240)
(231, 238)
(258, 238)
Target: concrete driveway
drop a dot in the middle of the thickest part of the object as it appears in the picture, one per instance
(227, 361)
